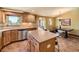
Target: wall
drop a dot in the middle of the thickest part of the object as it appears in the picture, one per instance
(47, 26)
(73, 15)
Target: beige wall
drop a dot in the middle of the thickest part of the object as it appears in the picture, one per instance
(49, 27)
(73, 15)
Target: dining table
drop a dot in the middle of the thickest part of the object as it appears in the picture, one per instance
(66, 30)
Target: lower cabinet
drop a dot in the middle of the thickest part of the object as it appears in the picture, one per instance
(6, 37)
(0, 40)
(34, 46)
(10, 36)
(14, 35)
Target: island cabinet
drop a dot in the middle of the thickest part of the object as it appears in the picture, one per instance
(41, 41)
(33, 44)
(9, 36)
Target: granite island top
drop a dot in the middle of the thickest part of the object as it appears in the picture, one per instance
(40, 35)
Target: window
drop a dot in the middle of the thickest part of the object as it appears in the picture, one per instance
(13, 20)
(42, 22)
(50, 21)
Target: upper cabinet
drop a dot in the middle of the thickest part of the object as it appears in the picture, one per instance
(29, 18)
(1, 17)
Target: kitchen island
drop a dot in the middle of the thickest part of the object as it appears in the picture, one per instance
(41, 41)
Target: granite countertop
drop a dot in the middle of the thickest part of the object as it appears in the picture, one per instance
(40, 35)
(23, 26)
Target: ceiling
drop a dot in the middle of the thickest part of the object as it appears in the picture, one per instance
(43, 11)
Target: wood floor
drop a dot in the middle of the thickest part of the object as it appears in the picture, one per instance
(21, 46)
(68, 45)
(65, 45)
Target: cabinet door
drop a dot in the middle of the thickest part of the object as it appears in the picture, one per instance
(6, 37)
(29, 41)
(36, 44)
(47, 46)
(14, 35)
(10, 36)
(24, 18)
(1, 16)
(0, 40)
(32, 46)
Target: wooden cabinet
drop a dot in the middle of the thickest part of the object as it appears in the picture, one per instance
(45, 46)
(34, 46)
(6, 37)
(24, 18)
(29, 42)
(14, 35)
(10, 36)
(28, 18)
(0, 40)
(1, 17)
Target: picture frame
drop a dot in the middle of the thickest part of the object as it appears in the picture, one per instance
(66, 22)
